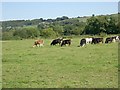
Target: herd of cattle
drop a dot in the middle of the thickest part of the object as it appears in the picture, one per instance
(83, 41)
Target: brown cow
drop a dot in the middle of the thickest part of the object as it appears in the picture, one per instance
(38, 43)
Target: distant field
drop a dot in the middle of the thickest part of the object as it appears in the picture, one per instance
(92, 66)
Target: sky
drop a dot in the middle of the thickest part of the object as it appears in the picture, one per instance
(60, 0)
(46, 10)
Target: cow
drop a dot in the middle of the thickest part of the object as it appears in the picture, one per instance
(38, 43)
(88, 40)
(56, 41)
(64, 42)
(112, 39)
(83, 42)
(109, 40)
(97, 40)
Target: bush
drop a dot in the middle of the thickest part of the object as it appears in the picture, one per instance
(103, 34)
(46, 33)
(7, 35)
(27, 33)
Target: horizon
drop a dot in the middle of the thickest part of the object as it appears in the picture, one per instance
(57, 17)
(51, 10)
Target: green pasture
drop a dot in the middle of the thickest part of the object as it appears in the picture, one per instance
(92, 66)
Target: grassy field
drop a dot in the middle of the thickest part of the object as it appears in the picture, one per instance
(92, 66)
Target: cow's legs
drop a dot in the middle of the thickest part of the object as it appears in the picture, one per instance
(41, 45)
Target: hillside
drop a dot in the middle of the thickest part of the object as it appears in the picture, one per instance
(61, 26)
(22, 23)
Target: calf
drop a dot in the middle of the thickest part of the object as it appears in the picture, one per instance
(38, 43)
(64, 42)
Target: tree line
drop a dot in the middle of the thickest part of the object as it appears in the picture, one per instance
(61, 26)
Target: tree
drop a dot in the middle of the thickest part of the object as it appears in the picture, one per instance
(48, 33)
(32, 32)
(20, 33)
(7, 35)
(58, 29)
(111, 27)
(68, 29)
(29, 32)
(93, 26)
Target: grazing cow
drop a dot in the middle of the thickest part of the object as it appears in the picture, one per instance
(109, 40)
(97, 40)
(64, 42)
(88, 40)
(38, 43)
(83, 42)
(112, 39)
(56, 41)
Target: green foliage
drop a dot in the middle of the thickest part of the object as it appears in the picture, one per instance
(78, 30)
(94, 25)
(58, 29)
(49, 32)
(32, 32)
(103, 34)
(20, 33)
(112, 28)
(7, 35)
(61, 18)
(27, 33)
(68, 29)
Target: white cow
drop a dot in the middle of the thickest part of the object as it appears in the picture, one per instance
(88, 40)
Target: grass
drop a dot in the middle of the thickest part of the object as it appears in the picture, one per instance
(92, 66)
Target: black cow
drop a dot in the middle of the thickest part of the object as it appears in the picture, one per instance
(97, 40)
(112, 39)
(119, 38)
(82, 42)
(64, 42)
(56, 41)
(109, 40)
